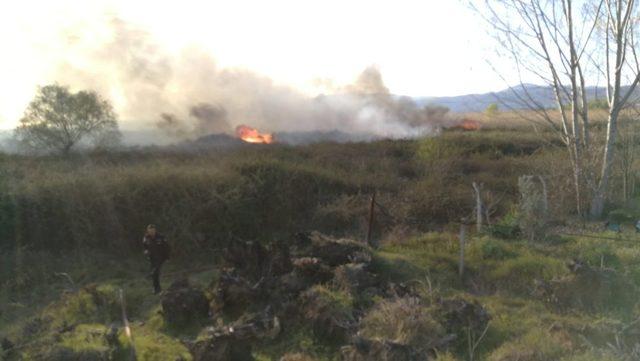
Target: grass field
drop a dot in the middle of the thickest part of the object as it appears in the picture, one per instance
(84, 216)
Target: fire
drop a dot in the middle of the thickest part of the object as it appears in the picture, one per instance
(468, 124)
(252, 135)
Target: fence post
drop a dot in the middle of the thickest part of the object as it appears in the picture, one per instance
(371, 217)
(477, 189)
(462, 244)
(127, 328)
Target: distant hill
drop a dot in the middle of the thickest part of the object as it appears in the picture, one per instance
(506, 99)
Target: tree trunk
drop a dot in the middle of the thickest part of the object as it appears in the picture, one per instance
(577, 171)
(597, 203)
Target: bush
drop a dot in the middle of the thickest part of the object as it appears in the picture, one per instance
(506, 228)
(403, 321)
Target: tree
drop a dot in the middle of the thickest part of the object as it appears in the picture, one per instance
(567, 49)
(492, 110)
(57, 120)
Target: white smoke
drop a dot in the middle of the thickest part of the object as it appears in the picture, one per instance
(188, 95)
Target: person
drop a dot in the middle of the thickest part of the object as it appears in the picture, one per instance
(157, 251)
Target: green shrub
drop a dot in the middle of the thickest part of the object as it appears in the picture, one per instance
(506, 228)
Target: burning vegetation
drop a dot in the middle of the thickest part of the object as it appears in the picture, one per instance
(467, 124)
(252, 135)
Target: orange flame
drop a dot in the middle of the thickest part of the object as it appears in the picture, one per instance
(468, 124)
(252, 135)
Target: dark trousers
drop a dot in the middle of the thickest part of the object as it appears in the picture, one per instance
(155, 276)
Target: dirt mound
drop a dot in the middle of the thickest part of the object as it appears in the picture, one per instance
(183, 303)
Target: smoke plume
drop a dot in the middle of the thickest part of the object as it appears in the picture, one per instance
(187, 95)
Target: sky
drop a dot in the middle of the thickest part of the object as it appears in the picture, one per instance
(421, 47)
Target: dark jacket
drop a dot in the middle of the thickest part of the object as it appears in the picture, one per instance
(156, 248)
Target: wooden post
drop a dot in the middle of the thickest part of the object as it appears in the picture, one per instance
(477, 188)
(127, 328)
(462, 243)
(371, 217)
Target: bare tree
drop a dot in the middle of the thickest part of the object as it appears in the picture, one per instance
(57, 120)
(567, 49)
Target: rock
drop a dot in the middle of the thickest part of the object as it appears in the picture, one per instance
(221, 348)
(380, 350)
(353, 277)
(459, 315)
(183, 303)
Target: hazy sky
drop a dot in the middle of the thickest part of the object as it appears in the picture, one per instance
(422, 47)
